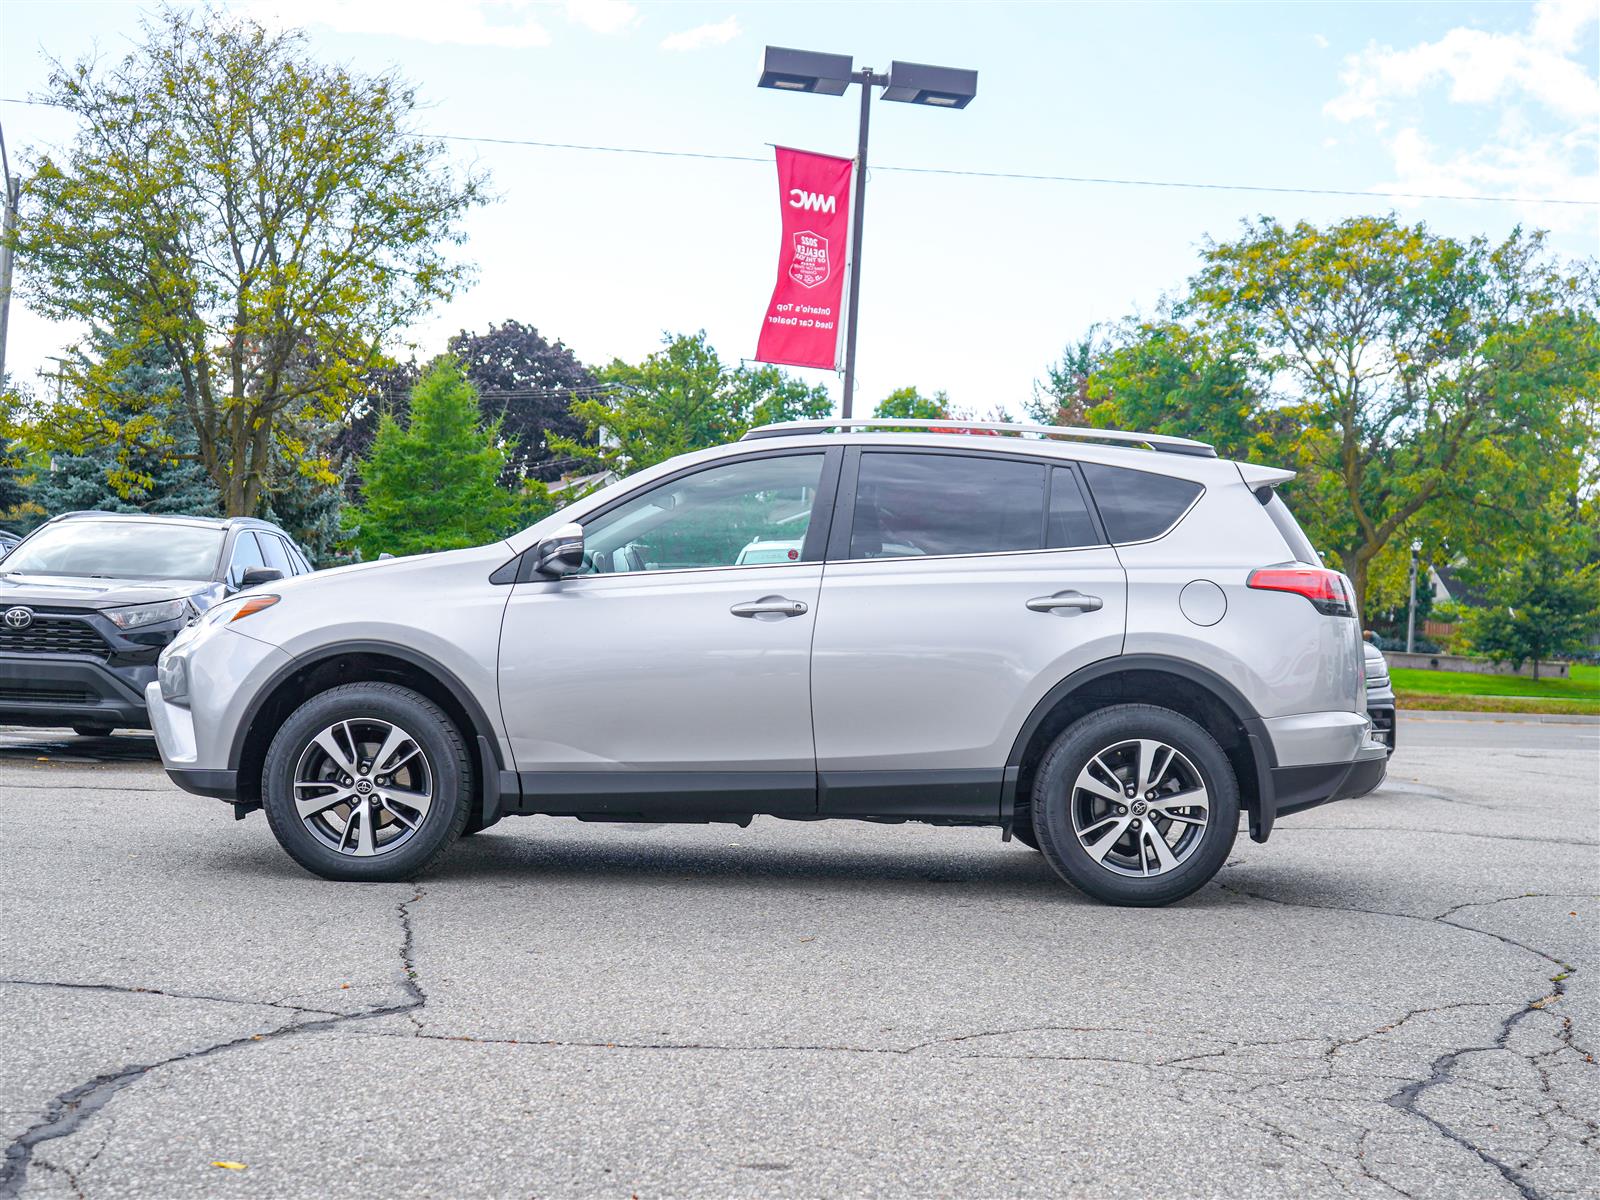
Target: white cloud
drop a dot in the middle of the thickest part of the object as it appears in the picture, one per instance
(603, 16)
(1480, 67)
(1321, 40)
(1542, 101)
(719, 34)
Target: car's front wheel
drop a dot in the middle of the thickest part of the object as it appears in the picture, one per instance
(368, 781)
(1136, 805)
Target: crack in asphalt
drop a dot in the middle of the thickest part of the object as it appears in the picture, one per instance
(1407, 1098)
(123, 990)
(66, 1114)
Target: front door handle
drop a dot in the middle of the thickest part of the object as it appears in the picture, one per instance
(1075, 600)
(776, 606)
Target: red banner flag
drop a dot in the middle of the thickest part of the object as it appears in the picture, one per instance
(804, 315)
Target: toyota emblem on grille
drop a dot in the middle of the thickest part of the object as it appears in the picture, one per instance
(18, 618)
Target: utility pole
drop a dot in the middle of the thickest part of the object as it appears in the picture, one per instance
(1411, 609)
(8, 227)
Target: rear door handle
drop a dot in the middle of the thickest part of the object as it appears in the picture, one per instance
(777, 606)
(1075, 600)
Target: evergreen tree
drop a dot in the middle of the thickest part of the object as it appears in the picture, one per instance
(131, 454)
(432, 484)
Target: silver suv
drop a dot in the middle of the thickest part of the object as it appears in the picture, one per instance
(1105, 644)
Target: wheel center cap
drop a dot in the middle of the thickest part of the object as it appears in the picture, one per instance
(363, 787)
(1140, 808)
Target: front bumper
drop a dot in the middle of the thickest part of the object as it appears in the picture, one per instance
(50, 691)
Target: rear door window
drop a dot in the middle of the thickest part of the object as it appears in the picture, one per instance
(915, 505)
(1138, 505)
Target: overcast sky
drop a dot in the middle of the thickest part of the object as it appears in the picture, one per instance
(970, 284)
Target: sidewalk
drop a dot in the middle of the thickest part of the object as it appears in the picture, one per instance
(1433, 714)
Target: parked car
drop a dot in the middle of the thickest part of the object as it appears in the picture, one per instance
(8, 541)
(1380, 695)
(1105, 644)
(88, 600)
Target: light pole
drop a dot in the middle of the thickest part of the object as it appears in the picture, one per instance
(829, 75)
(1411, 611)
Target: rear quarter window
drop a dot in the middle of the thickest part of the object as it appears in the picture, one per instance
(1138, 505)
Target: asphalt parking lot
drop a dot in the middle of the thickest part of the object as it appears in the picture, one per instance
(1395, 996)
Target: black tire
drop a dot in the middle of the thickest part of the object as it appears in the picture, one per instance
(443, 750)
(1201, 854)
(94, 730)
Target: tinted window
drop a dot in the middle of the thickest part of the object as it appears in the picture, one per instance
(120, 550)
(915, 504)
(246, 553)
(1136, 505)
(738, 514)
(1070, 523)
(276, 553)
(302, 567)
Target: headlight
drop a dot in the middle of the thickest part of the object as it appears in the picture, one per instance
(139, 615)
(173, 672)
(238, 608)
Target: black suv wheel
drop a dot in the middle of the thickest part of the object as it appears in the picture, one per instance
(369, 781)
(1135, 805)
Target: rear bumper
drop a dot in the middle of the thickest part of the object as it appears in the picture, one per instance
(1299, 788)
(41, 690)
(1287, 788)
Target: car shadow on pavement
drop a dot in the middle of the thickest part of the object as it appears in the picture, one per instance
(504, 858)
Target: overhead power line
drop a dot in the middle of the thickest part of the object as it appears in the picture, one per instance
(1024, 176)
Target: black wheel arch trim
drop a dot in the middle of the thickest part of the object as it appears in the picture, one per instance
(1262, 808)
(483, 731)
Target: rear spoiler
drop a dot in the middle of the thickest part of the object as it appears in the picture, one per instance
(1261, 480)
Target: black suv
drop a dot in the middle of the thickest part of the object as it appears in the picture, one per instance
(88, 600)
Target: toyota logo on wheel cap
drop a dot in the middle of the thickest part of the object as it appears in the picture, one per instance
(18, 618)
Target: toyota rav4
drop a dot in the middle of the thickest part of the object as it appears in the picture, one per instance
(1108, 645)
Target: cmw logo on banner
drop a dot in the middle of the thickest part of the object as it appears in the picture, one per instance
(811, 201)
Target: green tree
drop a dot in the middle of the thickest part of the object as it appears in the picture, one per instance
(432, 484)
(1160, 376)
(682, 398)
(1401, 365)
(265, 219)
(911, 405)
(1541, 609)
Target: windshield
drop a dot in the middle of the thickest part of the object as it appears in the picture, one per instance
(119, 550)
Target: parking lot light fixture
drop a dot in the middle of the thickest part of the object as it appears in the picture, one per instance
(805, 71)
(829, 75)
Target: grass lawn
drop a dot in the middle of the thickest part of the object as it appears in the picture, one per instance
(1499, 693)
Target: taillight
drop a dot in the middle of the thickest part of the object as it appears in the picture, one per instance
(1327, 590)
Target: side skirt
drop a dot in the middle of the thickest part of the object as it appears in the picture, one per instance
(959, 797)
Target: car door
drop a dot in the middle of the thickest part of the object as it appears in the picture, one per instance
(959, 588)
(672, 675)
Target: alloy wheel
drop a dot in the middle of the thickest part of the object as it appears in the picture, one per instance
(1139, 807)
(363, 787)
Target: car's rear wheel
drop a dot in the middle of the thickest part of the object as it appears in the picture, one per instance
(1136, 805)
(369, 781)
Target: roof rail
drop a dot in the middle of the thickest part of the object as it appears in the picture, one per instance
(1120, 437)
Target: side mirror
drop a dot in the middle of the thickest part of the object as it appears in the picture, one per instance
(240, 578)
(561, 553)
